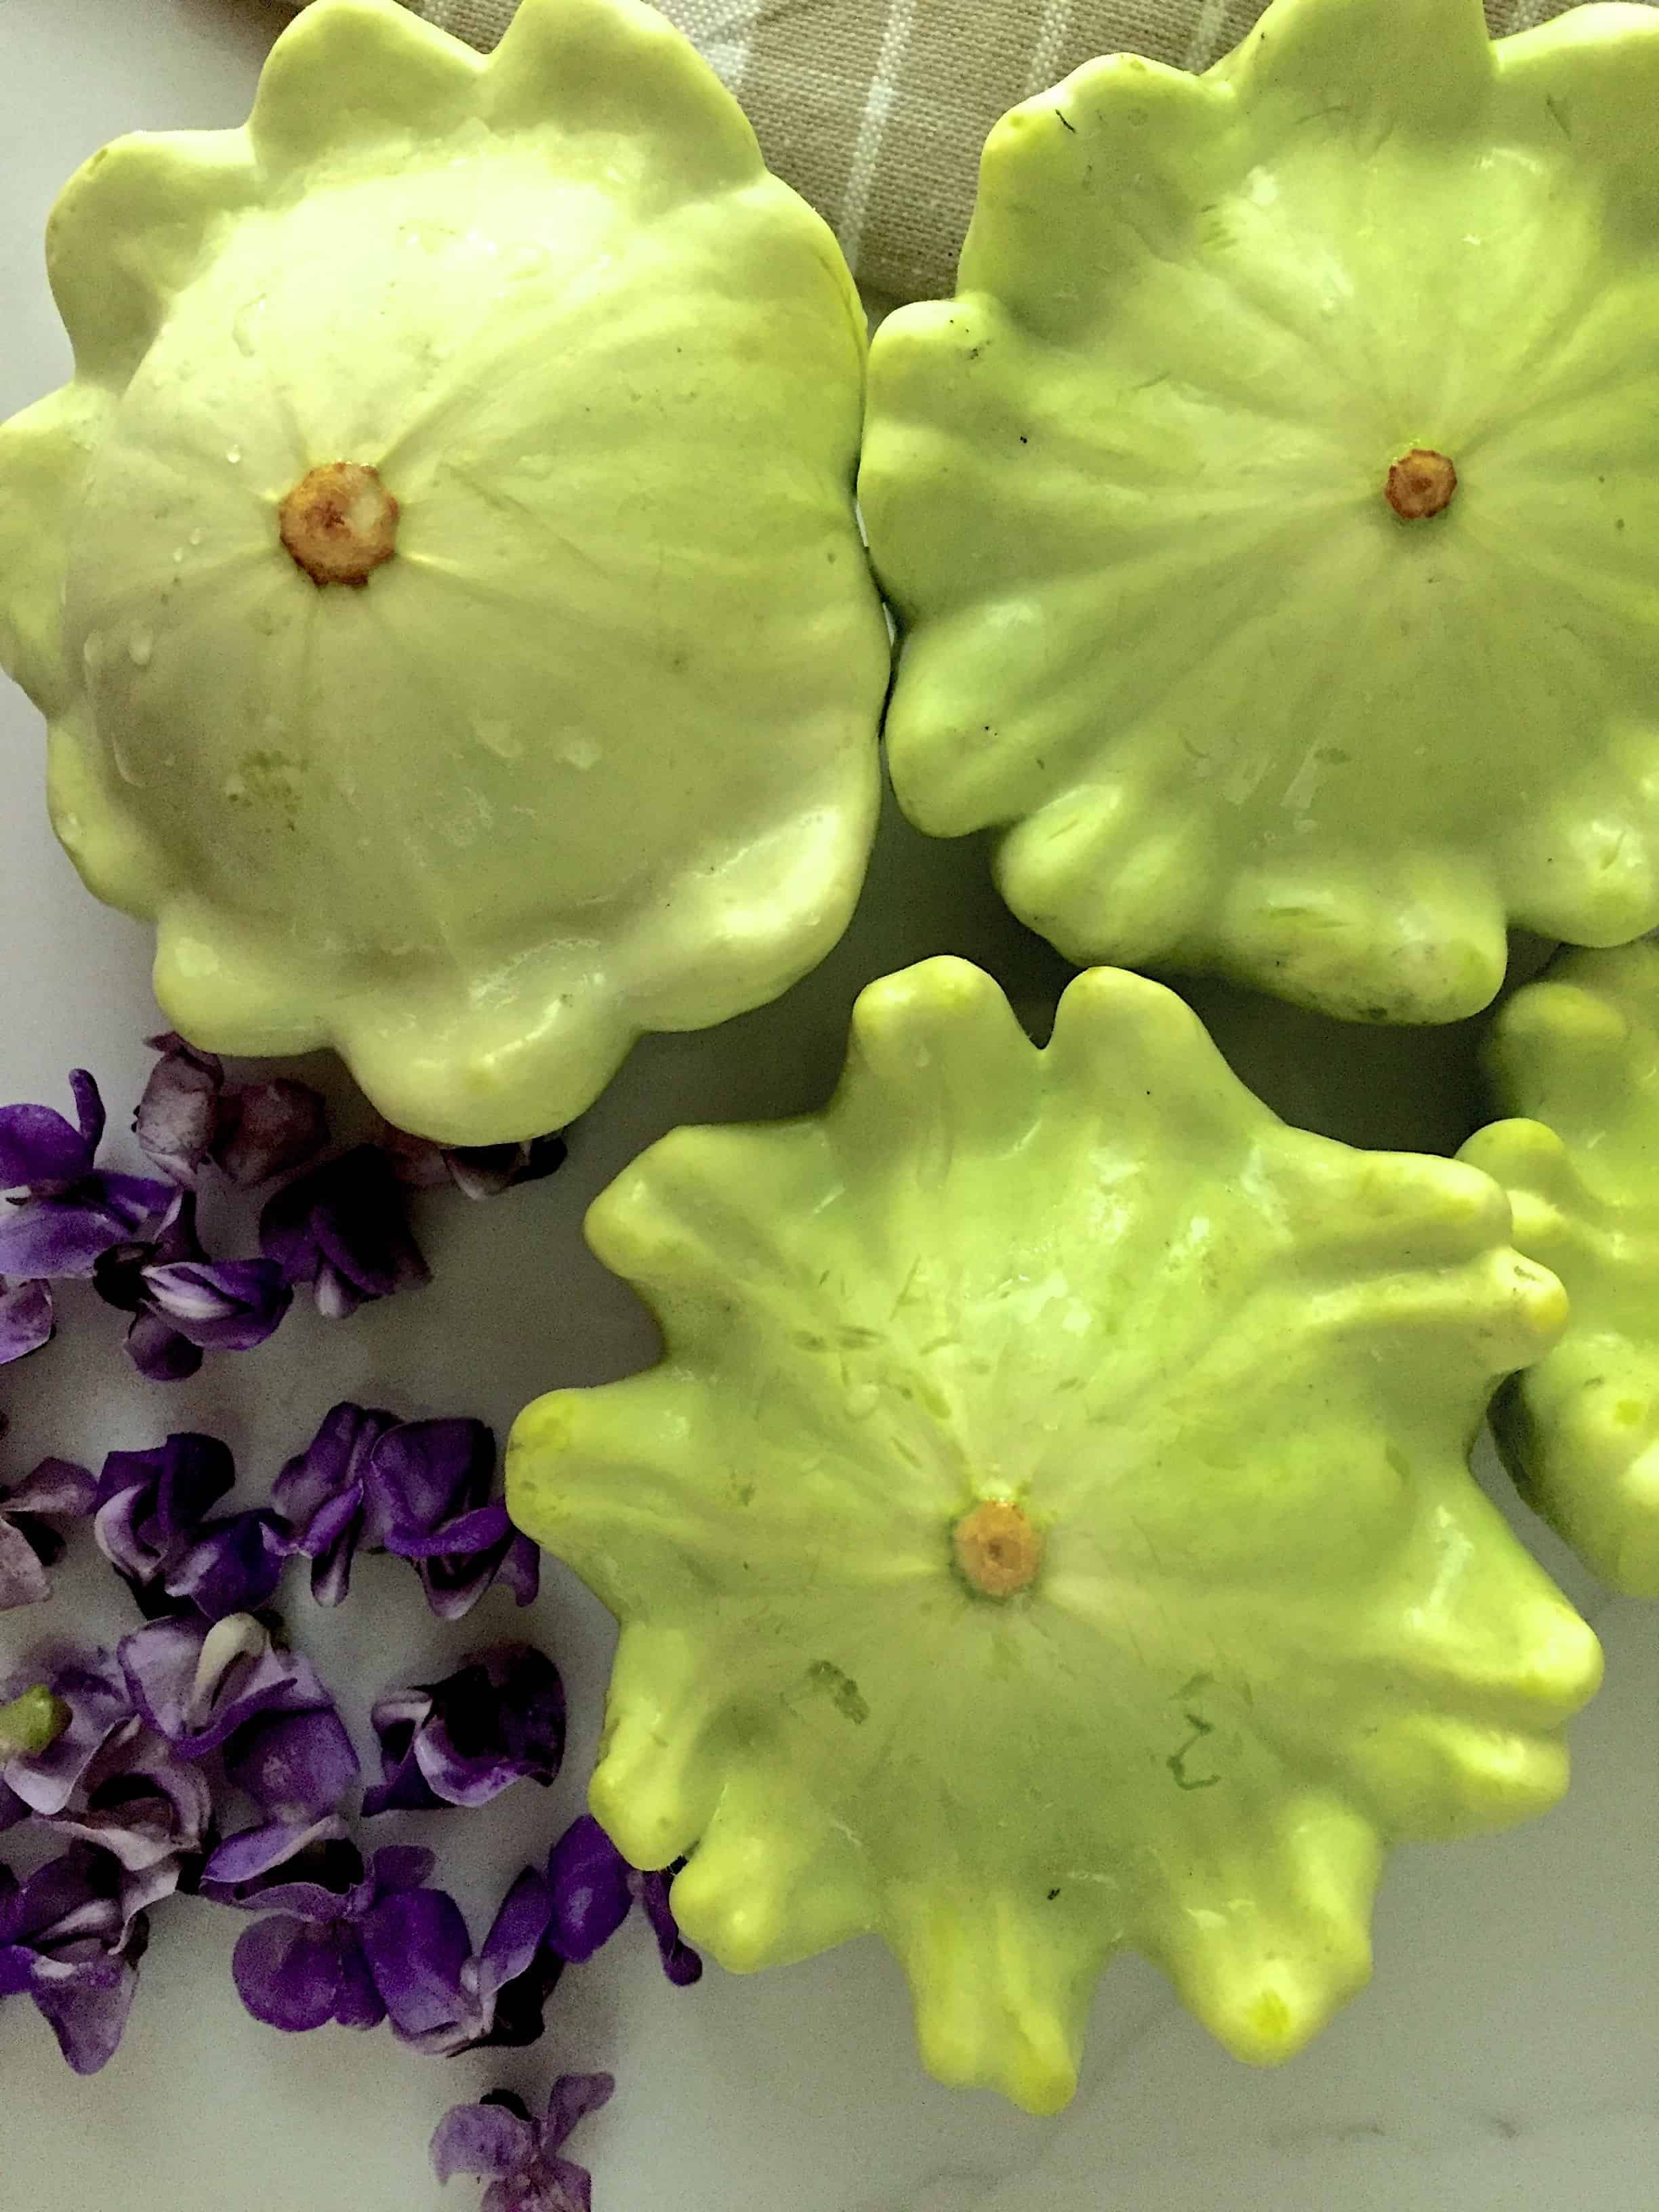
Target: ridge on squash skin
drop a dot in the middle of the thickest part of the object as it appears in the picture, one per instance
(1048, 1529)
(1575, 1057)
(1235, 696)
(577, 751)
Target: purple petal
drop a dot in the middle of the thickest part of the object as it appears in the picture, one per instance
(498, 1719)
(401, 1866)
(151, 1504)
(234, 1565)
(483, 1528)
(682, 1965)
(323, 1878)
(93, 1687)
(288, 1974)
(516, 1935)
(198, 1685)
(26, 1319)
(223, 1305)
(61, 1237)
(144, 1808)
(487, 2140)
(521, 1570)
(342, 1227)
(321, 1492)
(40, 1150)
(402, 1788)
(423, 1474)
(587, 1876)
(178, 1117)
(90, 2020)
(56, 1487)
(575, 2096)
(270, 1128)
(159, 1353)
(89, 1109)
(295, 1766)
(23, 1579)
(418, 1950)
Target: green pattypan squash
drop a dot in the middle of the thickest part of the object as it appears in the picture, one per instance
(1577, 1054)
(442, 575)
(1273, 515)
(1050, 1528)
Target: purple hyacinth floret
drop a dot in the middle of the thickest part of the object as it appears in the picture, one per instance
(343, 1228)
(70, 1939)
(188, 1116)
(324, 1494)
(182, 1303)
(442, 1997)
(31, 1538)
(64, 1211)
(197, 1684)
(433, 1480)
(593, 1889)
(498, 1719)
(233, 1566)
(28, 1319)
(520, 2158)
(151, 1505)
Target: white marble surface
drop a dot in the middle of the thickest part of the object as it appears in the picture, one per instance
(1507, 2056)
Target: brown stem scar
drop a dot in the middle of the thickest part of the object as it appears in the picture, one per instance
(1421, 484)
(340, 523)
(998, 1550)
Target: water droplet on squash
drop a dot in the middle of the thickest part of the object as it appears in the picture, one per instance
(234, 455)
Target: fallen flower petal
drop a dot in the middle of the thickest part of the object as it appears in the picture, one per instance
(296, 1767)
(91, 1686)
(432, 1481)
(593, 1888)
(183, 1302)
(29, 1541)
(27, 1319)
(497, 2141)
(67, 1939)
(498, 1719)
(150, 1505)
(341, 1228)
(477, 1171)
(178, 1117)
(233, 1566)
(196, 1685)
(268, 1129)
(322, 1493)
(440, 1997)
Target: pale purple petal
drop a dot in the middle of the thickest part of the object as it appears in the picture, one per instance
(222, 1305)
(573, 2097)
(57, 1487)
(178, 1117)
(487, 2140)
(67, 1937)
(587, 1876)
(89, 1114)
(313, 1869)
(426, 1473)
(23, 1578)
(62, 1237)
(341, 1228)
(198, 1683)
(270, 1128)
(321, 1492)
(89, 2019)
(146, 1808)
(296, 1767)
(26, 1319)
(234, 1565)
(516, 1937)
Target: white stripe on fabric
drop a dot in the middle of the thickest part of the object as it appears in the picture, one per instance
(1056, 21)
(1206, 34)
(873, 125)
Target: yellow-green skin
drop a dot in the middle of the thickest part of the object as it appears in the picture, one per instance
(1163, 630)
(595, 752)
(1228, 1370)
(1577, 1054)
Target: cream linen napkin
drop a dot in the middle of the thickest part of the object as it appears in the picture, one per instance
(875, 110)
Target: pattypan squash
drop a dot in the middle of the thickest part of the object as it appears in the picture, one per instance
(1577, 1054)
(1050, 1529)
(443, 575)
(1273, 516)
